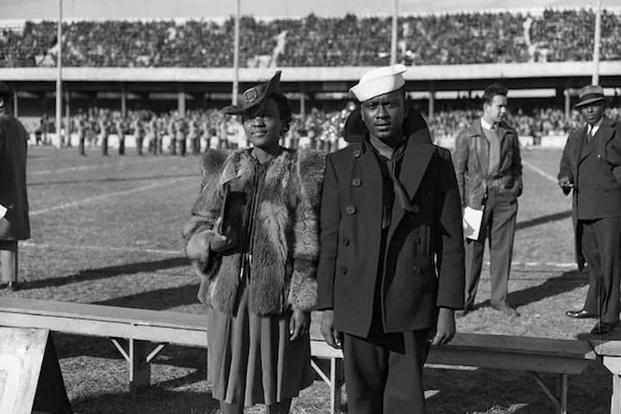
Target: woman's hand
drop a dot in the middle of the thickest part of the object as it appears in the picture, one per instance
(299, 324)
(218, 243)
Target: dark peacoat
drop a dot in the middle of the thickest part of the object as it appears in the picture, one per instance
(605, 186)
(424, 261)
(13, 150)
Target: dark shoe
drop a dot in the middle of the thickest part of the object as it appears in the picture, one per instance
(602, 328)
(580, 314)
(506, 309)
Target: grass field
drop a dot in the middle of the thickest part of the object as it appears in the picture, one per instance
(107, 231)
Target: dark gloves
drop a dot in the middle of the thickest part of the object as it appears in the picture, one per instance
(565, 184)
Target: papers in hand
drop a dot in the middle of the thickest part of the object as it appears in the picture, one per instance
(472, 222)
(3, 211)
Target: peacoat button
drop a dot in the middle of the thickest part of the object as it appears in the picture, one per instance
(350, 210)
(357, 153)
(416, 268)
(356, 182)
(343, 270)
(346, 241)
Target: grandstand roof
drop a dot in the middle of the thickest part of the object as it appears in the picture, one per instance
(318, 79)
(110, 9)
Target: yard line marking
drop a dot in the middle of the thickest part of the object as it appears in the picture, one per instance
(103, 248)
(540, 264)
(91, 167)
(540, 171)
(543, 264)
(108, 195)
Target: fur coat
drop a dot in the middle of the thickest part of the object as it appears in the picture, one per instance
(285, 254)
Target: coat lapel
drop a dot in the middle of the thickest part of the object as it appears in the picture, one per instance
(606, 131)
(482, 149)
(585, 149)
(372, 176)
(416, 158)
(580, 137)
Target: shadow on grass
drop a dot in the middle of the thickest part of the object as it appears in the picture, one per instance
(158, 299)
(542, 220)
(153, 400)
(71, 346)
(498, 391)
(113, 180)
(566, 282)
(110, 271)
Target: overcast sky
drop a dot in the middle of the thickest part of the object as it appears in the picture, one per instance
(98, 9)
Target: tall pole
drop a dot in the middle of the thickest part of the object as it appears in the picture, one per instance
(236, 56)
(59, 65)
(596, 43)
(393, 40)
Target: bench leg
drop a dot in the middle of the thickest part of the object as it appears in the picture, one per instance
(336, 383)
(563, 393)
(139, 369)
(614, 366)
(560, 402)
(135, 353)
(615, 405)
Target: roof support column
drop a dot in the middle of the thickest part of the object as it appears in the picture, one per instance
(15, 104)
(123, 101)
(181, 100)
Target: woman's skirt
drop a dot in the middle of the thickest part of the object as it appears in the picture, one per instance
(252, 360)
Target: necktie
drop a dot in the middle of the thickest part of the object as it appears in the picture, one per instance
(494, 151)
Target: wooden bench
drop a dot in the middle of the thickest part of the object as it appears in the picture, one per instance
(533, 355)
(131, 330)
(609, 349)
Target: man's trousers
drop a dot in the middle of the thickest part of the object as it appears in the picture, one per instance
(601, 247)
(498, 225)
(383, 373)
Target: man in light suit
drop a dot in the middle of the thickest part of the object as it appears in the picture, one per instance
(488, 166)
(591, 167)
(14, 220)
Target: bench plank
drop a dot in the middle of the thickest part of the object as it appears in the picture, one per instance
(89, 311)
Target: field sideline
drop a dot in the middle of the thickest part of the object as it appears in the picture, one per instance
(107, 231)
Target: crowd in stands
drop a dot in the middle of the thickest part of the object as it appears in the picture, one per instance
(322, 130)
(458, 38)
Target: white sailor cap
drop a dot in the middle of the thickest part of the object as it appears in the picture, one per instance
(379, 81)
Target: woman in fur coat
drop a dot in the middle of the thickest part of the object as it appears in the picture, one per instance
(252, 239)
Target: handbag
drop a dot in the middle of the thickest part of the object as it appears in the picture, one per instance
(231, 220)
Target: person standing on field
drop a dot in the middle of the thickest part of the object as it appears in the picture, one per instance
(14, 218)
(488, 166)
(591, 169)
(391, 263)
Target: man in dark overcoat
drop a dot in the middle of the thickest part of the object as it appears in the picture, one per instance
(488, 166)
(391, 267)
(14, 220)
(591, 167)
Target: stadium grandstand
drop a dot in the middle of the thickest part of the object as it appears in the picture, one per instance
(150, 68)
(444, 39)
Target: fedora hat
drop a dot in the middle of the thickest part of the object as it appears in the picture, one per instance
(254, 96)
(590, 94)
